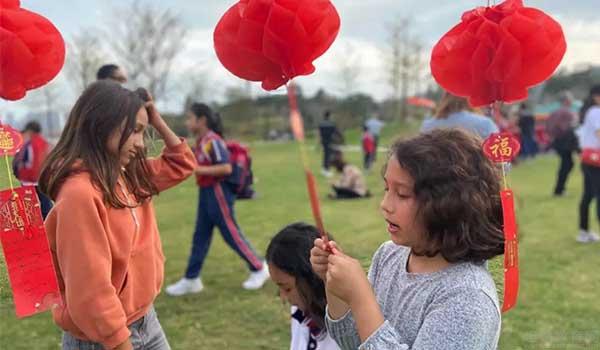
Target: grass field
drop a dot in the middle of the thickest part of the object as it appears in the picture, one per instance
(558, 305)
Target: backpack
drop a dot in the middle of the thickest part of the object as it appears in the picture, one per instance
(241, 178)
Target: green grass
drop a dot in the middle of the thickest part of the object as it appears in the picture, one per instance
(558, 302)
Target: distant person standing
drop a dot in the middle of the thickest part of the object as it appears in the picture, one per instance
(374, 126)
(28, 162)
(368, 146)
(590, 159)
(112, 72)
(529, 146)
(561, 129)
(328, 132)
(455, 112)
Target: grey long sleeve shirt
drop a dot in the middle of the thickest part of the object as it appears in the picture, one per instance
(453, 309)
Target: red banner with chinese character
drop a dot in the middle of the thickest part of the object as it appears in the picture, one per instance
(27, 253)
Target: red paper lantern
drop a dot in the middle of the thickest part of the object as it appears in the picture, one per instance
(497, 52)
(32, 50)
(273, 41)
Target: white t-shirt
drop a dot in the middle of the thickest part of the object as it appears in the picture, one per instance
(590, 129)
(303, 339)
(374, 125)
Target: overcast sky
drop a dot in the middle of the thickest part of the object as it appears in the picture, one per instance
(363, 31)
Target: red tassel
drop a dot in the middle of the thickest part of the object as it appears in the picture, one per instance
(511, 251)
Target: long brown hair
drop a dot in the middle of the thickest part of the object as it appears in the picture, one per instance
(451, 104)
(458, 191)
(104, 108)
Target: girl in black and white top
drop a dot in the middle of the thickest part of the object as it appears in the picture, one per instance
(288, 258)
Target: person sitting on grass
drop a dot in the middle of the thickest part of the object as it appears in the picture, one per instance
(351, 184)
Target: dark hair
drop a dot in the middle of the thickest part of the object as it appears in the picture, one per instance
(213, 119)
(327, 114)
(588, 103)
(33, 126)
(102, 109)
(106, 71)
(458, 192)
(289, 251)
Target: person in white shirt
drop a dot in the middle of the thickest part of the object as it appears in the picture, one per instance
(288, 258)
(374, 126)
(590, 146)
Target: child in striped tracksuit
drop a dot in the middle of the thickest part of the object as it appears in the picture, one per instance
(215, 207)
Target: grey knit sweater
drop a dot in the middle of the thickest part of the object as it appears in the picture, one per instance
(456, 308)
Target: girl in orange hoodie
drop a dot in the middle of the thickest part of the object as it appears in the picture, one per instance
(102, 229)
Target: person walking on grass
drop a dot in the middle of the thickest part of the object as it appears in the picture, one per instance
(590, 165)
(561, 130)
(215, 205)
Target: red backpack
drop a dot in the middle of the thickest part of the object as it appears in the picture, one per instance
(241, 178)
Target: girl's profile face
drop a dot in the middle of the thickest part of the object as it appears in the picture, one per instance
(399, 206)
(134, 143)
(288, 290)
(194, 124)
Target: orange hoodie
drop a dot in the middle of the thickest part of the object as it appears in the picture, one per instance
(109, 261)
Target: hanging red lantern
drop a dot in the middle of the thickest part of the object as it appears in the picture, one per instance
(32, 50)
(497, 52)
(273, 41)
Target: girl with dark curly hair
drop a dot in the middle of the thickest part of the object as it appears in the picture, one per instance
(428, 287)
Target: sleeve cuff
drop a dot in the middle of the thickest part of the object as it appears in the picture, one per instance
(383, 337)
(341, 327)
(117, 339)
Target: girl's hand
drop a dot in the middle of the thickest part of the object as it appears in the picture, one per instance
(319, 255)
(346, 278)
(154, 117)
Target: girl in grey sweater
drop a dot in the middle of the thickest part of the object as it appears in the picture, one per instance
(427, 289)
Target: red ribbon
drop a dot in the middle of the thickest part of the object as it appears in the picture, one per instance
(511, 251)
(311, 183)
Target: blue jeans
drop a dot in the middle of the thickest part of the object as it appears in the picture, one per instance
(146, 334)
(215, 208)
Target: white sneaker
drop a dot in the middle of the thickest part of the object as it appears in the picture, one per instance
(257, 279)
(326, 173)
(587, 237)
(185, 286)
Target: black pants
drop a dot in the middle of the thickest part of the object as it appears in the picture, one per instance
(566, 165)
(374, 157)
(327, 150)
(345, 193)
(591, 190)
(368, 160)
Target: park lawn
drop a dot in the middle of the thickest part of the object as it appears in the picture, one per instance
(558, 304)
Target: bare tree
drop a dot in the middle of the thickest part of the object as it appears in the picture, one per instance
(44, 103)
(405, 63)
(147, 43)
(86, 55)
(349, 70)
(194, 87)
